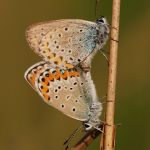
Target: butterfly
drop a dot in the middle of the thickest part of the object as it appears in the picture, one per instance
(70, 91)
(67, 43)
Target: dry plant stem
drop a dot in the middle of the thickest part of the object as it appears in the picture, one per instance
(109, 128)
(87, 139)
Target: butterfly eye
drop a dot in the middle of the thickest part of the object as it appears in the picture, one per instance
(87, 126)
(100, 20)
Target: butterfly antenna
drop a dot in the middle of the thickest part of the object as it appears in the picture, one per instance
(96, 7)
(68, 141)
(102, 52)
(103, 97)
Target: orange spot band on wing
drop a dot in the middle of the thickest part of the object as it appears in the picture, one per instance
(74, 74)
(44, 89)
(46, 82)
(46, 97)
(64, 75)
(50, 78)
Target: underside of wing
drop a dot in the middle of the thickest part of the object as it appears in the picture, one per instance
(62, 42)
(33, 72)
(64, 90)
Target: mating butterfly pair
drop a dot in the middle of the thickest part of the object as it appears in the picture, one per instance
(67, 48)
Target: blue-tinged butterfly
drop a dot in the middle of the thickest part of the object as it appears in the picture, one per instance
(70, 91)
(68, 42)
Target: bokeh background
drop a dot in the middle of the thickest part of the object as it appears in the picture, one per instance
(26, 122)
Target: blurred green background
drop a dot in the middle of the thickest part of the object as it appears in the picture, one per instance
(26, 122)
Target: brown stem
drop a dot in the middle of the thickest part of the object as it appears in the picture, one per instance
(87, 139)
(109, 128)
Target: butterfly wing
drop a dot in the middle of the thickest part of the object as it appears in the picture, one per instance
(64, 43)
(64, 90)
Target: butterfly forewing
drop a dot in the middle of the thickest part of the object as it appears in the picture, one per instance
(62, 89)
(63, 42)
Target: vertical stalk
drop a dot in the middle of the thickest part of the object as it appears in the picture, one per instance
(109, 132)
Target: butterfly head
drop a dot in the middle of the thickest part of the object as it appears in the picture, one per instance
(103, 24)
(87, 126)
(102, 31)
(101, 21)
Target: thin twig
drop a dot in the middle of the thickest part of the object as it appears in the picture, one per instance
(109, 128)
(87, 139)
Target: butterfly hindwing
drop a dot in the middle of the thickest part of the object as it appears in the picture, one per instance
(64, 90)
(32, 73)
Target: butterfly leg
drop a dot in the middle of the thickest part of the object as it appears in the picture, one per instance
(104, 53)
